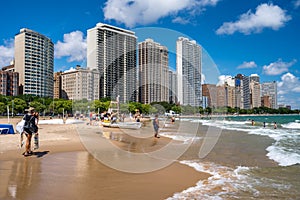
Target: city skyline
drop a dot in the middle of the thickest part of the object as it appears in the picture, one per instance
(240, 37)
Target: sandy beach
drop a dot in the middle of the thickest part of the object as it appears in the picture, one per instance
(62, 168)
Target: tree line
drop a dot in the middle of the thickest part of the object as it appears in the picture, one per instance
(16, 105)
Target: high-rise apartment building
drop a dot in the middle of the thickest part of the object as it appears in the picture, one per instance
(153, 72)
(172, 86)
(189, 67)
(34, 58)
(9, 81)
(80, 84)
(112, 51)
(255, 91)
(270, 89)
(254, 78)
(221, 96)
(57, 93)
(230, 97)
(242, 92)
(209, 91)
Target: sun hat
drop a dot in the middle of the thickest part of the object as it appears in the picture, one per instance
(29, 109)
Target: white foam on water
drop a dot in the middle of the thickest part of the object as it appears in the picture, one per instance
(223, 181)
(283, 157)
(185, 138)
(277, 151)
(228, 183)
(292, 125)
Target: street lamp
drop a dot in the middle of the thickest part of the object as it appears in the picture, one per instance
(7, 106)
(12, 112)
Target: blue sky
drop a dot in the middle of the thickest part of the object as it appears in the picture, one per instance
(245, 37)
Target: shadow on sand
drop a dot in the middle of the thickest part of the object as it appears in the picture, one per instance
(39, 154)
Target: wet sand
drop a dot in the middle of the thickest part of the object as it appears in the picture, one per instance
(62, 168)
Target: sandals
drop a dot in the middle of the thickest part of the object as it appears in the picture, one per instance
(29, 153)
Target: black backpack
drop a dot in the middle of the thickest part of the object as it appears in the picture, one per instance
(29, 123)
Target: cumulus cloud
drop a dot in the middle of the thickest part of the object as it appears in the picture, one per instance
(266, 16)
(143, 12)
(278, 67)
(73, 46)
(297, 4)
(289, 83)
(247, 65)
(72, 69)
(6, 52)
(223, 79)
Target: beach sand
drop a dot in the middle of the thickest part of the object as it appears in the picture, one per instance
(62, 168)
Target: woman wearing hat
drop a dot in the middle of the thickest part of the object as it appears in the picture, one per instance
(30, 127)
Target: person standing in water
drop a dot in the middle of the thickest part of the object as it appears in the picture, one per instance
(156, 126)
(275, 125)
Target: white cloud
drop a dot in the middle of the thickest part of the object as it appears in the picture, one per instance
(297, 3)
(289, 83)
(202, 78)
(74, 46)
(143, 12)
(247, 65)
(278, 67)
(266, 16)
(180, 20)
(6, 52)
(288, 89)
(72, 69)
(223, 78)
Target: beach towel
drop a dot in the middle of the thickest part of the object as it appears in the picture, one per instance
(20, 126)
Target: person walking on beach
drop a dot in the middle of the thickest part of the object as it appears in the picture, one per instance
(156, 126)
(30, 127)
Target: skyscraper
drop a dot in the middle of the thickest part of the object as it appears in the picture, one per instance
(172, 86)
(9, 81)
(242, 91)
(57, 92)
(34, 58)
(270, 89)
(189, 67)
(255, 91)
(112, 51)
(79, 83)
(153, 72)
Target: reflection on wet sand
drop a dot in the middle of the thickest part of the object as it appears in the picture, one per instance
(18, 178)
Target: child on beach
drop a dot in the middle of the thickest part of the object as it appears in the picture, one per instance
(156, 126)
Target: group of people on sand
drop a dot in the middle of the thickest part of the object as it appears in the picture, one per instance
(31, 119)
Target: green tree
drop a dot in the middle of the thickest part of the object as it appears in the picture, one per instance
(39, 107)
(2, 107)
(176, 109)
(166, 105)
(101, 105)
(146, 108)
(208, 110)
(19, 105)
